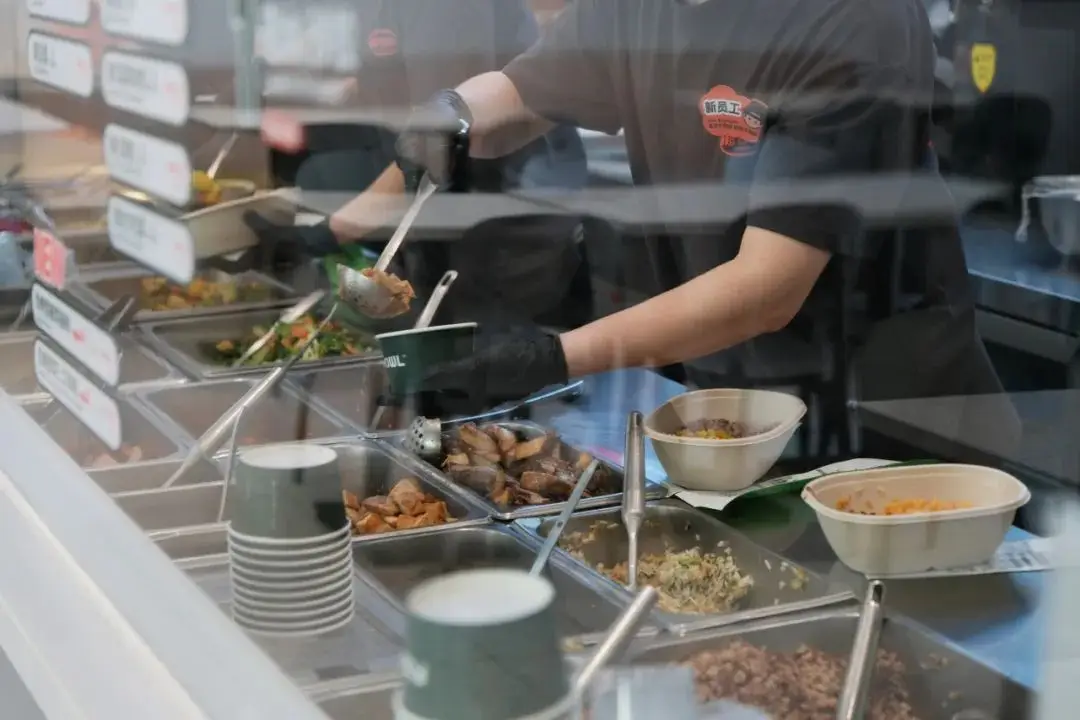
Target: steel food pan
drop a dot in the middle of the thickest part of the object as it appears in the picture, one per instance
(671, 525)
(944, 683)
(184, 342)
(394, 566)
(74, 438)
(152, 476)
(279, 417)
(107, 289)
(351, 393)
(364, 647)
(366, 470)
(349, 702)
(526, 430)
(138, 366)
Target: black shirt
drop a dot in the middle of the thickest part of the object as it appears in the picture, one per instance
(780, 106)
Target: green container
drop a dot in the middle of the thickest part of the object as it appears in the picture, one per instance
(408, 354)
(483, 645)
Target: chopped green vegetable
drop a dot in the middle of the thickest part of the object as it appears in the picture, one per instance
(288, 338)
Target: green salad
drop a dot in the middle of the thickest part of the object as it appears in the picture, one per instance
(288, 338)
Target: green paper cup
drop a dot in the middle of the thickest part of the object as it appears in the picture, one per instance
(407, 354)
(483, 645)
(287, 494)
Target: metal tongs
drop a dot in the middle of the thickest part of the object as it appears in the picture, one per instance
(860, 669)
(615, 642)
(633, 508)
(362, 292)
(213, 438)
(556, 530)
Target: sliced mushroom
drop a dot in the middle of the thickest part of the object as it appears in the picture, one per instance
(504, 438)
(477, 439)
(483, 480)
(545, 444)
(458, 458)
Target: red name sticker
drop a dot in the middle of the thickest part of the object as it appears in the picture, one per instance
(281, 131)
(382, 43)
(50, 259)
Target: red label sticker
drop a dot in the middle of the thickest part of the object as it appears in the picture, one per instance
(50, 259)
(382, 42)
(733, 118)
(282, 131)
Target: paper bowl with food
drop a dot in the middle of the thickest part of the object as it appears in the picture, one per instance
(722, 439)
(910, 519)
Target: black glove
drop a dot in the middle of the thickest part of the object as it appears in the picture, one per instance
(286, 246)
(508, 365)
(436, 141)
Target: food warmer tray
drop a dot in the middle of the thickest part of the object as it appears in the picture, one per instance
(351, 394)
(780, 586)
(181, 343)
(139, 429)
(152, 476)
(192, 409)
(584, 608)
(139, 367)
(183, 520)
(532, 430)
(945, 683)
(103, 290)
(364, 647)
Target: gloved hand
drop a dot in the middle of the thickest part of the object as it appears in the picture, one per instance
(436, 141)
(286, 246)
(509, 364)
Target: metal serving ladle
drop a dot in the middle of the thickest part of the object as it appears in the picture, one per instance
(363, 293)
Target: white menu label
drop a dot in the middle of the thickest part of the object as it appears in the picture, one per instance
(76, 12)
(158, 242)
(94, 409)
(159, 167)
(159, 21)
(63, 64)
(81, 338)
(154, 89)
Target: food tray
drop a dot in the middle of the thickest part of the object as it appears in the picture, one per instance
(532, 430)
(396, 565)
(192, 409)
(181, 342)
(107, 289)
(138, 366)
(365, 646)
(351, 394)
(350, 701)
(677, 526)
(83, 446)
(365, 470)
(151, 476)
(942, 680)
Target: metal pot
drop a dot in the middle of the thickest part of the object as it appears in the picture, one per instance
(1056, 199)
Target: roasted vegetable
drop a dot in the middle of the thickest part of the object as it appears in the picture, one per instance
(157, 293)
(288, 338)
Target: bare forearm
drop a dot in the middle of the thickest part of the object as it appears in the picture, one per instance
(381, 204)
(715, 311)
(501, 121)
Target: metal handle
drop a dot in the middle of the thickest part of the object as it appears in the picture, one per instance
(564, 517)
(633, 509)
(212, 171)
(426, 190)
(212, 439)
(427, 315)
(617, 639)
(230, 464)
(860, 668)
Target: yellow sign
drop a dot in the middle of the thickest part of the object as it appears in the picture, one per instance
(983, 65)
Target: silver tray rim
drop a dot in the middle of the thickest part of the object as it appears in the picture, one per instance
(681, 625)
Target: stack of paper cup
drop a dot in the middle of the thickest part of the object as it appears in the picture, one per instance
(290, 550)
